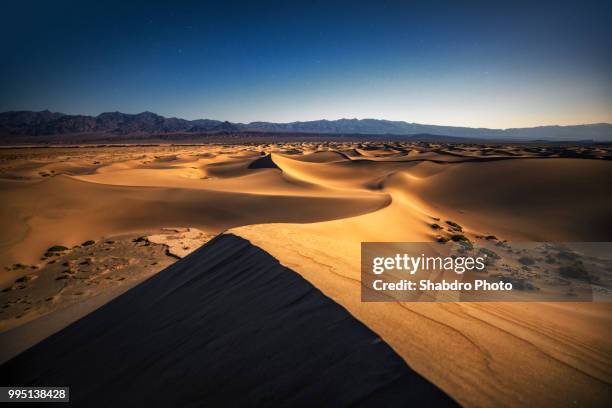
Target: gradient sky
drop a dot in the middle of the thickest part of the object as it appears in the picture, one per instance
(481, 64)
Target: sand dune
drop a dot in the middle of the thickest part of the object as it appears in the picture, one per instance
(74, 211)
(526, 199)
(228, 325)
(311, 204)
(488, 341)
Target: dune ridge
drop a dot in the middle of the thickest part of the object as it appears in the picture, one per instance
(225, 325)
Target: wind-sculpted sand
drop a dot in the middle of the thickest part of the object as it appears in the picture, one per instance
(310, 205)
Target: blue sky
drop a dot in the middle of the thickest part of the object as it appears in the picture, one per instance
(481, 64)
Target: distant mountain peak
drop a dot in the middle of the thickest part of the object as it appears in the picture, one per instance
(29, 123)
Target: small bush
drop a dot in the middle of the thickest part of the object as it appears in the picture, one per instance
(575, 271)
(88, 243)
(455, 226)
(519, 284)
(490, 254)
(57, 248)
(459, 238)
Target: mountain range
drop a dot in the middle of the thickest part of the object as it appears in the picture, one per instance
(15, 124)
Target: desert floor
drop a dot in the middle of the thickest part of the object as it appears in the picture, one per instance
(118, 215)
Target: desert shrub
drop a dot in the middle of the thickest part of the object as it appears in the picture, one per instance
(490, 254)
(519, 283)
(453, 224)
(88, 242)
(575, 271)
(459, 238)
(57, 248)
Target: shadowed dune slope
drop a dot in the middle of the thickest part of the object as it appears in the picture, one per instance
(226, 325)
(263, 163)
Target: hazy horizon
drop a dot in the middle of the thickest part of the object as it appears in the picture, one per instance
(302, 121)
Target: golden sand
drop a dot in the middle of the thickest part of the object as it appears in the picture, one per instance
(310, 205)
